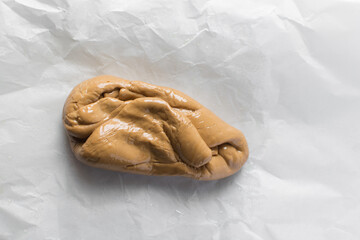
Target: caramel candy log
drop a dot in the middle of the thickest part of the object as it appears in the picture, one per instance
(136, 127)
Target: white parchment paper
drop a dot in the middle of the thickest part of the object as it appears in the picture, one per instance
(285, 72)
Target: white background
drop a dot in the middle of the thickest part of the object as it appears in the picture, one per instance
(286, 73)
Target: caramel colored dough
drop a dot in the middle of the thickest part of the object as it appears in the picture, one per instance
(137, 127)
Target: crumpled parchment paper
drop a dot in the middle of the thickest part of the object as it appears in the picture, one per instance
(286, 73)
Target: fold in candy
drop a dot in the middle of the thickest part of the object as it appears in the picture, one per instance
(135, 127)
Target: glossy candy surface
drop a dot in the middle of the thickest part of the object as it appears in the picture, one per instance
(132, 126)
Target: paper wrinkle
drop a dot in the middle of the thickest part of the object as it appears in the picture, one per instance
(285, 73)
